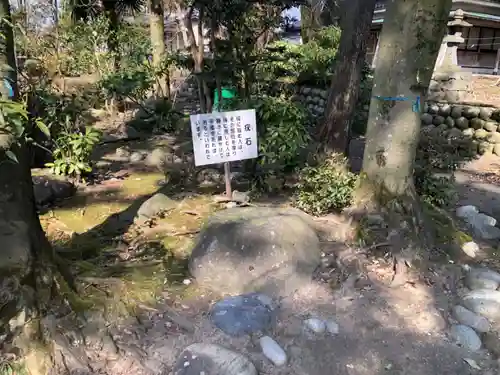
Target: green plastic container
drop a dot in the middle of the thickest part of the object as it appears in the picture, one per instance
(227, 93)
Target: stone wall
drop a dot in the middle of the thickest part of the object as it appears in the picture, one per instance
(480, 123)
(314, 98)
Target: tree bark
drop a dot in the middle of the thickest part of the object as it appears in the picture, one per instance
(344, 89)
(114, 24)
(197, 49)
(25, 259)
(409, 45)
(157, 30)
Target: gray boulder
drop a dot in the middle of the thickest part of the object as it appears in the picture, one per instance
(485, 302)
(154, 206)
(48, 191)
(256, 249)
(482, 278)
(212, 359)
(468, 318)
(465, 337)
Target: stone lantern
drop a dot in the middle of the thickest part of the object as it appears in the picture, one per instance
(449, 82)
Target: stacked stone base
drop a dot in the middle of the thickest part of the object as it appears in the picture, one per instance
(480, 124)
(313, 99)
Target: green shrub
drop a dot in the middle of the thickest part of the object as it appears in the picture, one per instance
(282, 129)
(440, 150)
(326, 187)
(309, 62)
(72, 152)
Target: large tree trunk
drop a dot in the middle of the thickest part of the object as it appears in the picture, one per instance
(409, 44)
(157, 29)
(344, 90)
(25, 276)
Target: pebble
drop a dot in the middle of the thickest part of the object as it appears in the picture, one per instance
(315, 325)
(186, 281)
(470, 248)
(465, 337)
(272, 351)
(332, 327)
(471, 319)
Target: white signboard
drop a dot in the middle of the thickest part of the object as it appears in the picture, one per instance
(224, 136)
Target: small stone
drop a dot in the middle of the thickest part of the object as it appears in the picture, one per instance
(470, 319)
(445, 110)
(493, 137)
(426, 119)
(122, 152)
(186, 282)
(456, 112)
(273, 351)
(465, 337)
(481, 134)
(465, 212)
(482, 278)
(154, 206)
(470, 248)
(476, 123)
(485, 147)
(212, 359)
(136, 157)
(485, 113)
(332, 327)
(485, 302)
(433, 109)
(438, 120)
(462, 123)
(471, 112)
(491, 126)
(231, 205)
(469, 132)
(315, 325)
(450, 122)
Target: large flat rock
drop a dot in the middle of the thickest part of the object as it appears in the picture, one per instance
(255, 249)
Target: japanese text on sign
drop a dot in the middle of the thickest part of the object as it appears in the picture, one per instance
(224, 136)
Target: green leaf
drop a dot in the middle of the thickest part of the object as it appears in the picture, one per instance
(43, 128)
(11, 156)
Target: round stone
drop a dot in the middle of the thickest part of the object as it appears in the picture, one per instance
(471, 112)
(438, 120)
(480, 134)
(496, 149)
(491, 126)
(427, 119)
(433, 109)
(462, 123)
(469, 132)
(493, 137)
(485, 113)
(450, 121)
(456, 112)
(465, 337)
(445, 110)
(476, 123)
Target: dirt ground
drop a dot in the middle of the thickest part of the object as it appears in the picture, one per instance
(382, 330)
